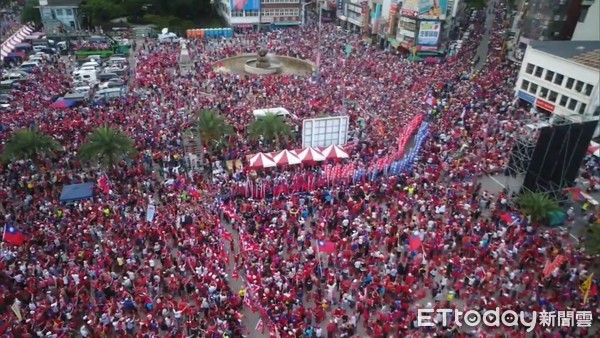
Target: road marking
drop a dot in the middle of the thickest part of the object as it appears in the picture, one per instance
(498, 182)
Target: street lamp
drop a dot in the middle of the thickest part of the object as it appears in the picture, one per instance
(304, 12)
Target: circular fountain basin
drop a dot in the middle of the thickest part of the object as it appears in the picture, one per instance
(250, 67)
(287, 65)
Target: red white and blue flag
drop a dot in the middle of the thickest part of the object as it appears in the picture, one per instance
(13, 235)
(326, 247)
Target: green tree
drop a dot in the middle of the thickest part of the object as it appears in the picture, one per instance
(31, 13)
(107, 145)
(591, 239)
(211, 127)
(101, 11)
(538, 206)
(271, 127)
(28, 144)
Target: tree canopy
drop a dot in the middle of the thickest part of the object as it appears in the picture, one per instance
(28, 144)
(31, 13)
(107, 145)
(271, 127)
(538, 206)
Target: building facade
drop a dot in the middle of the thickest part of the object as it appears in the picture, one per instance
(252, 14)
(561, 77)
(60, 15)
(420, 24)
(546, 20)
(588, 26)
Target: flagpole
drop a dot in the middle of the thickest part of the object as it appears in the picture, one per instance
(319, 257)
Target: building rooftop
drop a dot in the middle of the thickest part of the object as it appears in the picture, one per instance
(586, 53)
(73, 3)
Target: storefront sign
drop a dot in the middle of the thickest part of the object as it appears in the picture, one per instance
(525, 97)
(408, 33)
(409, 13)
(427, 48)
(429, 33)
(545, 105)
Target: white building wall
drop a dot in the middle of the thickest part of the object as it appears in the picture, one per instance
(385, 9)
(549, 82)
(589, 30)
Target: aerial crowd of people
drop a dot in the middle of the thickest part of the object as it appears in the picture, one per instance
(337, 260)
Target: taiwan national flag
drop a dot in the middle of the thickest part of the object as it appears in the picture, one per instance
(414, 242)
(13, 236)
(326, 247)
(511, 218)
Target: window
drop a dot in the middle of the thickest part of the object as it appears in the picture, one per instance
(570, 83)
(572, 104)
(582, 108)
(558, 79)
(69, 12)
(533, 88)
(529, 69)
(579, 86)
(563, 100)
(543, 92)
(588, 89)
(525, 85)
(549, 75)
(552, 96)
(538, 71)
(59, 12)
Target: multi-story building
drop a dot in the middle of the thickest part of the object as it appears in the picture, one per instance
(588, 27)
(420, 25)
(561, 77)
(250, 14)
(354, 14)
(544, 20)
(280, 12)
(60, 15)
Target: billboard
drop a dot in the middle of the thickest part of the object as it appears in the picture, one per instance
(245, 5)
(426, 9)
(325, 131)
(429, 33)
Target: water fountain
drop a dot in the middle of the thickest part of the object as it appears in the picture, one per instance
(264, 63)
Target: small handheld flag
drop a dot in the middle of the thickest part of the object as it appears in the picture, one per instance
(13, 236)
(326, 247)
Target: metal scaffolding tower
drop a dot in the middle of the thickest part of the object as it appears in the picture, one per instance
(527, 142)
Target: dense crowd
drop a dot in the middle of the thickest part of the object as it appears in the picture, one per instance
(98, 268)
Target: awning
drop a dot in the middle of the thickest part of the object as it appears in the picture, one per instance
(286, 23)
(76, 192)
(15, 39)
(343, 18)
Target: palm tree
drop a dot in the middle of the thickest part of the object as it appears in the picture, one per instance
(108, 145)
(28, 144)
(538, 206)
(211, 127)
(271, 127)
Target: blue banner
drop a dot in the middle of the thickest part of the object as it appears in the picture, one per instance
(526, 97)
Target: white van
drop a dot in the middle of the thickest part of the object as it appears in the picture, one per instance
(110, 93)
(13, 76)
(90, 76)
(277, 111)
(92, 64)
